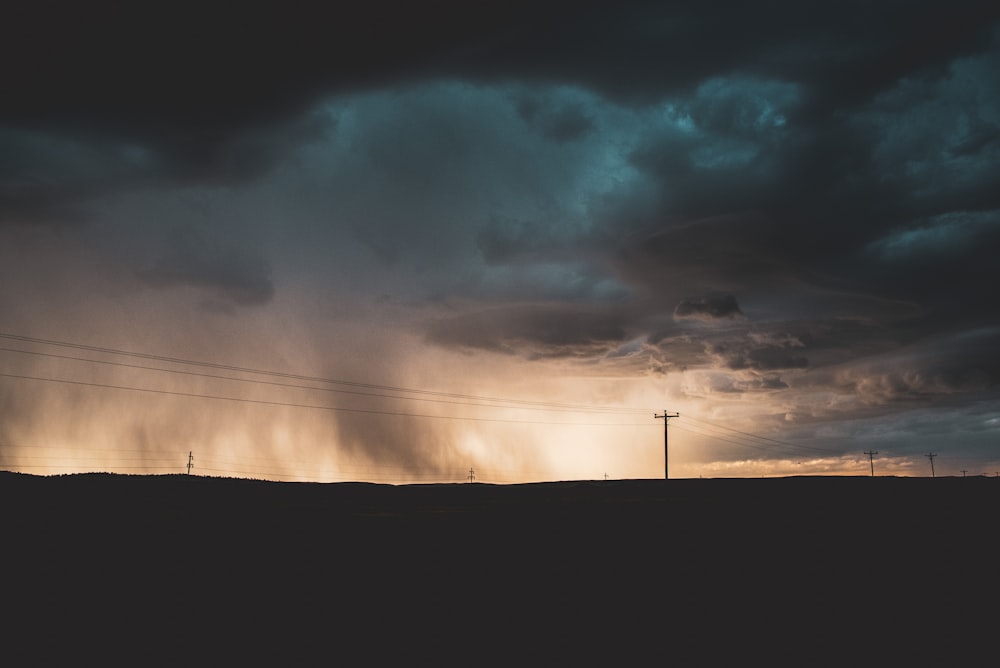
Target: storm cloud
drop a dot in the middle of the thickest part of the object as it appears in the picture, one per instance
(708, 308)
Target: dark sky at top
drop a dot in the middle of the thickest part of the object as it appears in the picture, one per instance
(793, 205)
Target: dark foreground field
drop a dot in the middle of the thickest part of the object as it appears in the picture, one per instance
(791, 571)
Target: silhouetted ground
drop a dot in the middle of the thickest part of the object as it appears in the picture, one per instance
(789, 571)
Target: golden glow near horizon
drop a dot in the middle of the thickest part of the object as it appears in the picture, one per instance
(419, 413)
(280, 428)
(290, 435)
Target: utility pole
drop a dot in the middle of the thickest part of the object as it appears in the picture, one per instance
(871, 453)
(666, 420)
(931, 456)
(190, 459)
(472, 474)
(964, 471)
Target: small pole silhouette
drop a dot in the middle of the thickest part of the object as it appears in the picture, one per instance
(871, 454)
(964, 471)
(605, 476)
(666, 419)
(472, 475)
(931, 456)
(190, 459)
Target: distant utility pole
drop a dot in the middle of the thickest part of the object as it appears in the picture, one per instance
(605, 476)
(871, 454)
(964, 471)
(666, 420)
(931, 456)
(190, 459)
(472, 474)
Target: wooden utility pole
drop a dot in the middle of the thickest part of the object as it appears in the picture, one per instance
(472, 474)
(190, 459)
(931, 456)
(666, 420)
(871, 453)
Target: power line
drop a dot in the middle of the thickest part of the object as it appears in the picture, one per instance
(788, 444)
(314, 406)
(498, 404)
(735, 439)
(716, 437)
(426, 395)
(281, 374)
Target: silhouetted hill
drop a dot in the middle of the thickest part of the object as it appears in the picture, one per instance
(714, 570)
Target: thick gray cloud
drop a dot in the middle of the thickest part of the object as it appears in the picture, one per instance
(709, 307)
(54, 175)
(192, 259)
(541, 329)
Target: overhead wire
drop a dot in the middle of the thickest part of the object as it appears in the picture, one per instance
(788, 444)
(282, 374)
(313, 406)
(500, 404)
(719, 438)
(742, 441)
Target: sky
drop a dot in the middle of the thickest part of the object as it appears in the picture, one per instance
(443, 242)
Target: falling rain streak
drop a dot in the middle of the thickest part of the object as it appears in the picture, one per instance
(154, 384)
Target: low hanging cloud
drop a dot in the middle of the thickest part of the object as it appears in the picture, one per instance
(537, 330)
(761, 358)
(710, 383)
(565, 123)
(226, 273)
(961, 364)
(708, 308)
